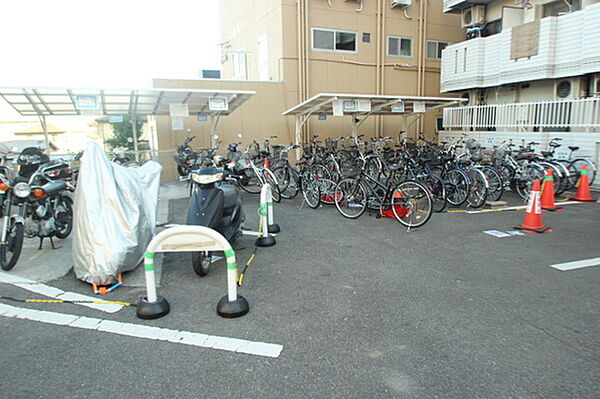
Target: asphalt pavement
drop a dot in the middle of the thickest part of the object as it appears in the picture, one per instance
(362, 308)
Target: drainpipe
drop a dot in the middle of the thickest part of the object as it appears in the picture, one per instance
(424, 63)
(383, 53)
(380, 46)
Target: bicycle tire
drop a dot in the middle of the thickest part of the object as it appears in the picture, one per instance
(411, 203)
(327, 191)
(477, 188)
(250, 182)
(310, 190)
(272, 181)
(495, 183)
(350, 194)
(436, 186)
(457, 187)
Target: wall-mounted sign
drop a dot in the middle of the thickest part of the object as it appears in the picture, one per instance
(364, 105)
(419, 106)
(202, 117)
(398, 107)
(218, 104)
(179, 110)
(350, 106)
(177, 122)
(337, 108)
(322, 116)
(490, 140)
(115, 118)
(87, 102)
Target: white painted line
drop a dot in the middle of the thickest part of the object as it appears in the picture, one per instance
(56, 293)
(578, 264)
(146, 332)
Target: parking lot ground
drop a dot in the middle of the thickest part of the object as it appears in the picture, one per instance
(362, 308)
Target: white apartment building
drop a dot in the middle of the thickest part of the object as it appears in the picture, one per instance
(531, 72)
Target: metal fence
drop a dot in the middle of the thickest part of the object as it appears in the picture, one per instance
(562, 114)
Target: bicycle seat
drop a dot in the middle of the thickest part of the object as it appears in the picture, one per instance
(393, 167)
(476, 158)
(547, 153)
(573, 148)
(525, 157)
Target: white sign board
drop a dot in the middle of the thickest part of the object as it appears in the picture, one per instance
(179, 110)
(419, 107)
(398, 107)
(364, 105)
(218, 104)
(337, 108)
(177, 122)
(491, 141)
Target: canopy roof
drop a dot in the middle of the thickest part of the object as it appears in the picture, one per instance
(29, 101)
(356, 104)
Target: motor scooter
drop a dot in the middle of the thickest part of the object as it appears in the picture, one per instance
(216, 205)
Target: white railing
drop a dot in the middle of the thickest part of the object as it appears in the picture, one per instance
(580, 113)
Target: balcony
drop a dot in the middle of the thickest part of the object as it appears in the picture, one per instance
(571, 115)
(568, 45)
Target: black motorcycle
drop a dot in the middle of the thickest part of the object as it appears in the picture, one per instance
(186, 158)
(216, 205)
(44, 208)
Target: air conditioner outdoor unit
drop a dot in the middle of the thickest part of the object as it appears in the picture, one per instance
(400, 3)
(565, 89)
(472, 16)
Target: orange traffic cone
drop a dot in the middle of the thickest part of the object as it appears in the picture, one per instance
(533, 216)
(583, 188)
(548, 193)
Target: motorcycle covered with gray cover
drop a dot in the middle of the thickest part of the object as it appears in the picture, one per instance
(115, 215)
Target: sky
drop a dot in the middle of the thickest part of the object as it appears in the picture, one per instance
(106, 43)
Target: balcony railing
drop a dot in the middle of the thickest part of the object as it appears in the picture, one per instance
(568, 45)
(581, 113)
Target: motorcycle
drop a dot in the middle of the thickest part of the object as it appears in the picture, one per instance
(44, 208)
(120, 157)
(216, 205)
(186, 158)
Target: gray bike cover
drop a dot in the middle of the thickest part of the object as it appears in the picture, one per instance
(115, 215)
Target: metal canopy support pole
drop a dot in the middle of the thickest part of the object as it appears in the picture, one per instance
(135, 137)
(214, 121)
(45, 128)
(298, 134)
(355, 124)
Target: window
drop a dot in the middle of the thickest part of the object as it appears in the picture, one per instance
(239, 63)
(560, 7)
(399, 46)
(434, 49)
(334, 40)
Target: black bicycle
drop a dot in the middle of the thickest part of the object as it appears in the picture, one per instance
(409, 201)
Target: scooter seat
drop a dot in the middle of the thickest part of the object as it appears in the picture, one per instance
(230, 195)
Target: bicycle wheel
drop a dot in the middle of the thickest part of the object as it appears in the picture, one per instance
(10, 252)
(495, 183)
(524, 184)
(326, 190)
(457, 187)
(272, 181)
(411, 203)
(477, 188)
(250, 181)
(310, 190)
(438, 191)
(507, 173)
(575, 168)
(288, 184)
(320, 171)
(350, 198)
(333, 169)
(556, 175)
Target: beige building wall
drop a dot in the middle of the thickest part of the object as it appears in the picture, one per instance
(246, 23)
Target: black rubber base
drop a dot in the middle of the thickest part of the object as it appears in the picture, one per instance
(528, 230)
(274, 228)
(265, 241)
(556, 208)
(232, 309)
(147, 310)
